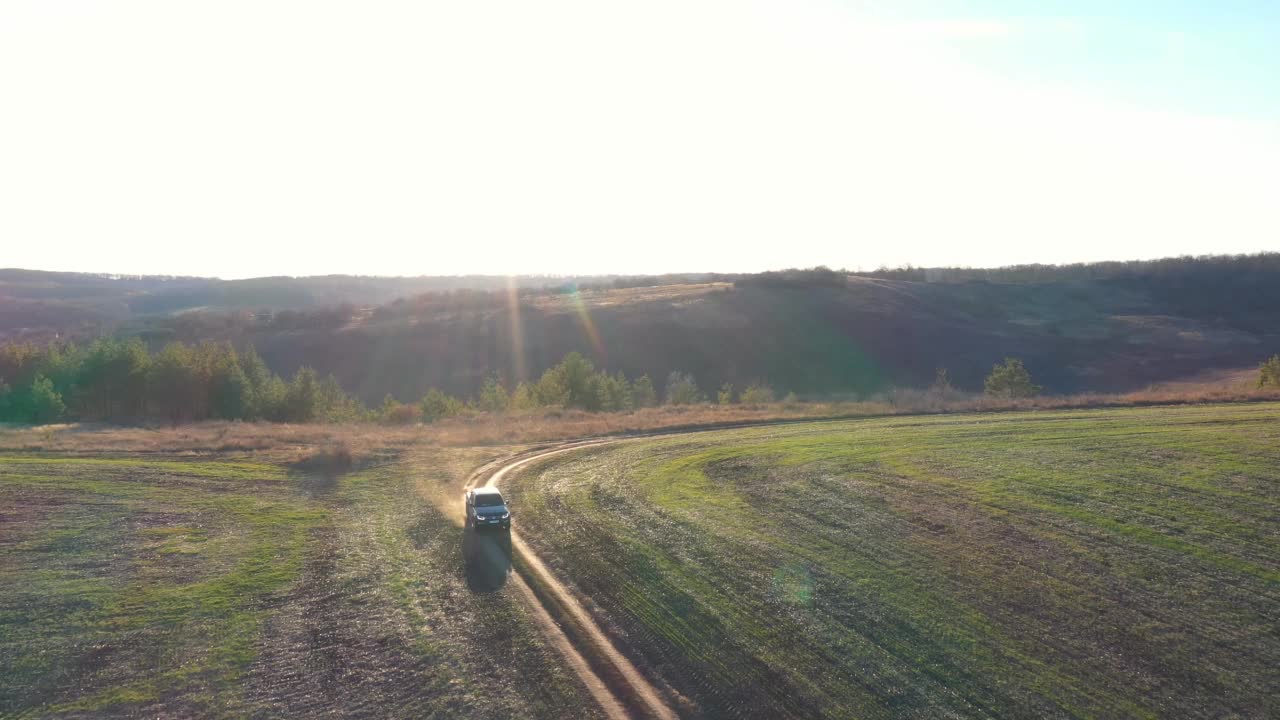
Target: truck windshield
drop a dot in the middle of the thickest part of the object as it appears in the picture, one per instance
(488, 500)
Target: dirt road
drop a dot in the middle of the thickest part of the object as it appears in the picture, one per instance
(621, 690)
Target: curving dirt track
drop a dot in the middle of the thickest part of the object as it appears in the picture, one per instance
(620, 689)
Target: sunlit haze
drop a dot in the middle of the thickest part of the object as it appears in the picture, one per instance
(242, 139)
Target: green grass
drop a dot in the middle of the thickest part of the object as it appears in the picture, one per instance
(1118, 563)
(163, 587)
(125, 580)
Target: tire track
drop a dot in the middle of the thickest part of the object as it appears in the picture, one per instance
(617, 685)
(620, 689)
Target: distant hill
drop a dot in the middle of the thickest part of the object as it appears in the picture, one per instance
(36, 304)
(1102, 327)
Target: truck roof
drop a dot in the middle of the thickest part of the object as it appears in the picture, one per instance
(486, 490)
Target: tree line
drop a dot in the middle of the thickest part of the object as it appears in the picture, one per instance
(573, 383)
(123, 381)
(1183, 269)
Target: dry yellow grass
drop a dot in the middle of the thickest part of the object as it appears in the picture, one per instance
(626, 296)
(299, 443)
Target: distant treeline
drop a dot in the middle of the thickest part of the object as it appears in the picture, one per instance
(1241, 290)
(573, 383)
(1176, 268)
(820, 276)
(121, 381)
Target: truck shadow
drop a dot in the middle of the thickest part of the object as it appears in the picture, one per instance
(487, 556)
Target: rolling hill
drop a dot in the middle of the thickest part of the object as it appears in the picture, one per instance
(815, 334)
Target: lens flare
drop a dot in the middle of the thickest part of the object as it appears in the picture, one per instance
(589, 327)
(518, 368)
(793, 583)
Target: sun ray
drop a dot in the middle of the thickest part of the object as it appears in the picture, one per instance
(588, 326)
(518, 368)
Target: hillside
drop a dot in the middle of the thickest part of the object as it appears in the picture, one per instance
(814, 341)
(37, 304)
(822, 334)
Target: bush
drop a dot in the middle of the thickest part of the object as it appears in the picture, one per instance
(394, 412)
(1269, 373)
(437, 406)
(336, 406)
(525, 397)
(757, 393)
(575, 383)
(1010, 380)
(493, 396)
(942, 390)
(681, 389)
(552, 388)
(941, 383)
(725, 396)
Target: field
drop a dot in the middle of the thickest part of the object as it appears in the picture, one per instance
(1088, 563)
(1104, 562)
(231, 584)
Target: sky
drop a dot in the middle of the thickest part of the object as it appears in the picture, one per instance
(241, 139)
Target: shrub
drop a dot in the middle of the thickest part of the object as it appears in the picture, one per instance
(552, 388)
(681, 389)
(725, 396)
(335, 405)
(575, 383)
(1269, 373)
(941, 383)
(394, 412)
(493, 396)
(757, 393)
(436, 405)
(525, 397)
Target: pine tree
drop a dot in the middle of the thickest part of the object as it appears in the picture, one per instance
(642, 393)
(1011, 380)
(46, 403)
